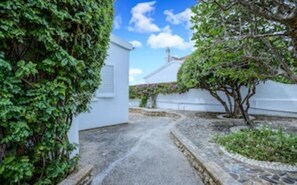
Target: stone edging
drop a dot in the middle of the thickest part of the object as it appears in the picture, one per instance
(210, 172)
(82, 177)
(155, 112)
(263, 164)
(221, 116)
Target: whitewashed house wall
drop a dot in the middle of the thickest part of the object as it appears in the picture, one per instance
(110, 104)
(111, 101)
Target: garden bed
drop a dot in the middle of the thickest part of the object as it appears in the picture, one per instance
(198, 131)
(264, 144)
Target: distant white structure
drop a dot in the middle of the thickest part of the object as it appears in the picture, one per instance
(110, 104)
(271, 98)
(168, 72)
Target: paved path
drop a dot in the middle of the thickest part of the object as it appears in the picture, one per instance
(138, 153)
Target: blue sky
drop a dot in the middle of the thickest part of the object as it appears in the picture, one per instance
(152, 26)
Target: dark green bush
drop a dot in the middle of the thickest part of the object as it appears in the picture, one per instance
(51, 53)
(264, 144)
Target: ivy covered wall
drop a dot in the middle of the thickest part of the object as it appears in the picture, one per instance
(51, 54)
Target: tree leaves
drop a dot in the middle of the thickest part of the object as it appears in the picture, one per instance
(51, 54)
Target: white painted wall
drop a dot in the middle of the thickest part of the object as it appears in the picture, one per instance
(112, 110)
(108, 110)
(271, 98)
(73, 136)
(167, 73)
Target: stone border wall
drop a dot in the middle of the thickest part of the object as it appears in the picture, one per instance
(209, 171)
(82, 177)
(155, 112)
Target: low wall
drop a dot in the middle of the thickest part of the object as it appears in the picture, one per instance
(271, 98)
(81, 177)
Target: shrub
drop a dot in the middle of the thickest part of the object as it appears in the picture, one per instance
(51, 53)
(264, 144)
(146, 91)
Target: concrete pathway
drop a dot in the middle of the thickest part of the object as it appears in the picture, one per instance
(138, 153)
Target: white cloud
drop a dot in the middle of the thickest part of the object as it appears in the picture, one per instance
(141, 20)
(117, 22)
(136, 43)
(179, 18)
(167, 39)
(133, 73)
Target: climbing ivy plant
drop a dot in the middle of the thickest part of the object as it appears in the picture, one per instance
(145, 92)
(51, 53)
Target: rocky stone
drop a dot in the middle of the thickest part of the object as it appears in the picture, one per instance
(288, 180)
(234, 176)
(256, 170)
(293, 176)
(266, 178)
(275, 177)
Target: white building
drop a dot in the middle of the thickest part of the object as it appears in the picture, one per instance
(166, 73)
(110, 104)
(271, 98)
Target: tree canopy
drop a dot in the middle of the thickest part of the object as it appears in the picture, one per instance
(269, 25)
(224, 58)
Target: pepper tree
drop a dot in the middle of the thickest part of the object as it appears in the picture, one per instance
(51, 54)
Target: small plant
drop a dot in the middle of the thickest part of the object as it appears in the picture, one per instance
(264, 144)
(143, 101)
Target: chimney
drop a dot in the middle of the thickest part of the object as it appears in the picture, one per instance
(168, 59)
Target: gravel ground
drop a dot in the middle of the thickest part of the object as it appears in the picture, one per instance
(137, 153)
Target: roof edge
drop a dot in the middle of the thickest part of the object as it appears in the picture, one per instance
(160, 69)
(120, 42)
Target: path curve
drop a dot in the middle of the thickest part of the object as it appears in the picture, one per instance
(138, 153)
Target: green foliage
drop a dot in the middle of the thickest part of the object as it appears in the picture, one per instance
(264, 144)
(219, 62)
(146, 91)
(51, 54)
(264, 42)
(143, 101)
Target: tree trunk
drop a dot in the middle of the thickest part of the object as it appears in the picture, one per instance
(154, 100)
(239, 101)
(236, 109)
(216, 96)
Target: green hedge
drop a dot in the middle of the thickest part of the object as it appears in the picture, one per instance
(146, 91)
(51, 54)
